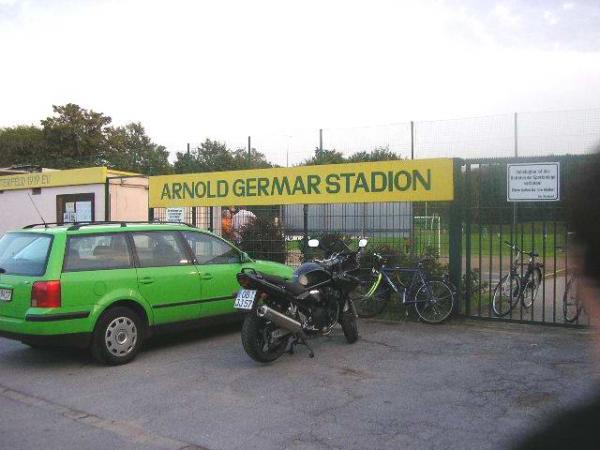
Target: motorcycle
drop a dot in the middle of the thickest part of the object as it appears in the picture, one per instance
(282, 313)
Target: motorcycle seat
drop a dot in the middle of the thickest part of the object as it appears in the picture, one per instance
(292, 286)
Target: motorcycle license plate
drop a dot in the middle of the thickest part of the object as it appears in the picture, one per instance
(245, 299)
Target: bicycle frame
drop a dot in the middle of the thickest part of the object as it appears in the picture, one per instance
(417, 279)
(531, 266)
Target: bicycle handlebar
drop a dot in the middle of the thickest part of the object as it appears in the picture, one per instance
(515, 247)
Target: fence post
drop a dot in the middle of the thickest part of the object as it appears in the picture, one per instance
(455, 232)
(150, 214)
(467, 212)
(193, 216)
(305, 223)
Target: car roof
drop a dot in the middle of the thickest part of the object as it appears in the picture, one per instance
(70, 229)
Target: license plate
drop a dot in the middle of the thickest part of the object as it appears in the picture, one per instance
(245, 299)
(5, 295)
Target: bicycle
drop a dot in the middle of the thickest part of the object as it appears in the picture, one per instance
(512, 288)
(433, 298)
(572, 304)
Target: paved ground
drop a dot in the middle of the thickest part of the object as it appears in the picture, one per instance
(403, 385)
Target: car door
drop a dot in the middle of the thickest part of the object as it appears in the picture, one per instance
(218, 263)
(167, 276)
(96, 266)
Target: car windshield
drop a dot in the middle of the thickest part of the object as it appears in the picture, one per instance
(24, 253)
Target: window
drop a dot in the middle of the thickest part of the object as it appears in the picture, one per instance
(156, 249)
(97, 252)
(24, 253)
(75, 208)
(210, 250)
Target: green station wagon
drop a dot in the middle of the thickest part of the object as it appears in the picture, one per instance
(108, 286)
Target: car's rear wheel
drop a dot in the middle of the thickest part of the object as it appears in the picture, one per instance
(117, 337)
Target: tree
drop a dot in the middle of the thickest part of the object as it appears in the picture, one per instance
(214, 156)
(377, 154)
(131, 149)
(250, 160)
(324, 157)
(76, 137)
(22, 145)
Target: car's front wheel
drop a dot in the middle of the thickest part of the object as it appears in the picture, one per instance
(117, 337)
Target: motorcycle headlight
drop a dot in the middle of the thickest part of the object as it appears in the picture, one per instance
(303, 280)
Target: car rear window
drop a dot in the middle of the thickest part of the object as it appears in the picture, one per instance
(24, 253)
(97, 252)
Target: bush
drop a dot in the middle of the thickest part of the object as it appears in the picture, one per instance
(263, 238)
(326, 240)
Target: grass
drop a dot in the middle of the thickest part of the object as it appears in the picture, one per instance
(486, 240)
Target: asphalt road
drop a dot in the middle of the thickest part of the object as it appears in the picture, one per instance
(403, 385)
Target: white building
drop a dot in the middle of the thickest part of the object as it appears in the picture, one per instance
(77, 195)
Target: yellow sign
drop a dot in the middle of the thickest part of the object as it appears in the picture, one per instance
(93, 175)
(385, 181)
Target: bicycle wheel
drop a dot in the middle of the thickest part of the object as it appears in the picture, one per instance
(434, 301)
(571, 304)
(506, 294)
(371, 298)
(531, 288)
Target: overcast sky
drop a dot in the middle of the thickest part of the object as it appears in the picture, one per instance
(191, 69)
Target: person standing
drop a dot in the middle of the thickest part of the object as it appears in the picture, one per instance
(242, 218)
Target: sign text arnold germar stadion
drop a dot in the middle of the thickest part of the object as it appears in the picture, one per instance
(385, 181)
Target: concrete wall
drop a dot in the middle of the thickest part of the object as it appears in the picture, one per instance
(16, 209)
(129, 199)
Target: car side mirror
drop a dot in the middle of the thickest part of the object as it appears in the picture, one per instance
(313, 243)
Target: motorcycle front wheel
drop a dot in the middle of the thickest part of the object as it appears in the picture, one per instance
(257, 341)
(349, 326)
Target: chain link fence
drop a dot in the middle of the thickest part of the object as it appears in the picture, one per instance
(494, 136)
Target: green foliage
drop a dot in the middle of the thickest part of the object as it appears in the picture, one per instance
(22, 145)
(377, 154)
(214, 156)
(327, 241)
(131, 149)
(77, 137)
(263, 238)
(324, 157)
(334, 157)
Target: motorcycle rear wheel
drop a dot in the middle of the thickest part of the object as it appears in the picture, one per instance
(254, 331)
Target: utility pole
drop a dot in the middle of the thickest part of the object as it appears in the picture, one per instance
(412, 139)
(321, 140)
(249, 149)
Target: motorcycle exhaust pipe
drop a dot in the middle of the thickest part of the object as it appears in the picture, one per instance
(280, 319)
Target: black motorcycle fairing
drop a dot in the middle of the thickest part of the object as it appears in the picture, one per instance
(310, 274)
(291, 285)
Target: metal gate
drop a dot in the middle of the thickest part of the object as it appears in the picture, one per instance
(490, 221)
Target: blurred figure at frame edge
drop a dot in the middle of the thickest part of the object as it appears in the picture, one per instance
(577, 427)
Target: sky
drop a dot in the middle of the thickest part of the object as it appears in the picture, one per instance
(228, 69)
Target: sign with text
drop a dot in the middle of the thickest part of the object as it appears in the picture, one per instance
(538, 182)
(175, 214)
(385, 181)
(73, 177)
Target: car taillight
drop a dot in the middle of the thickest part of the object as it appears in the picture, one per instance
(46, 294)
(244, 282)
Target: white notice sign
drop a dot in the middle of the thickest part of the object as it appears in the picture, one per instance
(84, 211)
(533, 182)
(175, 214)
